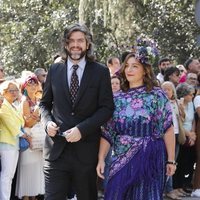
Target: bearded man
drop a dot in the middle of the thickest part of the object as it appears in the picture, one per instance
(77, 100)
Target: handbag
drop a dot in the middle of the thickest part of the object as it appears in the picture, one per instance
(181, 136)
(38, 134)
(23, 144)
(181, 117)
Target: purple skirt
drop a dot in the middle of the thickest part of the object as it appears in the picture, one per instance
(143, 177)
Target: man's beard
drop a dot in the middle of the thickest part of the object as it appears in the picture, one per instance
(76, 56)
(162, 71)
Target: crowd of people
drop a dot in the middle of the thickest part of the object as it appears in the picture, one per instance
(19, 113)
(138, 132)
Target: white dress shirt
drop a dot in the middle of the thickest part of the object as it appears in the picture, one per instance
(79, 71)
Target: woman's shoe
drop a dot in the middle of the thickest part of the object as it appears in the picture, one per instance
(184, 192)
(178, 193)
(172, 195)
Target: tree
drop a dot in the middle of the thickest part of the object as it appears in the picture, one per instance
(172, 24)
(30, 31)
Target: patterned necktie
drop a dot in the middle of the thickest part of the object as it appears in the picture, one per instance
(74, 84)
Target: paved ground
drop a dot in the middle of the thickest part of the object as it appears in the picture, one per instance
(186, 198)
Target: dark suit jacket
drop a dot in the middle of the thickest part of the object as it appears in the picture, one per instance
(93, 107)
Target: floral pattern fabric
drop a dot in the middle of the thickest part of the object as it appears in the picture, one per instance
(138, 125)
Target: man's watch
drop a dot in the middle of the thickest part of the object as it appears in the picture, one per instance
(171, 162)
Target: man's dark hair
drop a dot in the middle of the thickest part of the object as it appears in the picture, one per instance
(165, 59)
(188, 62)
(124, 54)
(110, 59)
(57, 55)
(82, 28)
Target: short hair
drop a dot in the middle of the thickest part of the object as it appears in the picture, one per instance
(165, 59)
(38, 71)
(5, 85)
(183, 89)
(110, 59)
(173, 88)
(191, 73)
(169, 71)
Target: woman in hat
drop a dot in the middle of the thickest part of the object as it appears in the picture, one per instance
(11, 122)
(141, 135)
(30, 161)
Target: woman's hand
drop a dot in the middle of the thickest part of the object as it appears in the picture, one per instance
(192, 137)
(170, 169)
(100, 168)
(28, 138)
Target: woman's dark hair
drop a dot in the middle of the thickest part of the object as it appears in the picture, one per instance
(149, 78)
(88, 36)
(115, 76)
(170, 71)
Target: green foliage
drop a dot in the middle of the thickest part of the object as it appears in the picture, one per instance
(171, 23)
(30, 31)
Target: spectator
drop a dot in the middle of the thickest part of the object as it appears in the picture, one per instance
(11, 122)
(186, 156)
(163, 64)
(115, 84)
(196, 182)
(30, 161)
(181, 69)
(113, 64)
(192, 79)
(192, 65)
(41, 75)
(172, 74)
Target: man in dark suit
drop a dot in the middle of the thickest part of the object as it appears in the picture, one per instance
(73, 119)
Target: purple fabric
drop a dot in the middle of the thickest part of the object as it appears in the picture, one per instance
(135, 133)
(146, 166)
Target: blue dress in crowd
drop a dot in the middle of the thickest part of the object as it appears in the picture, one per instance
(136, 131)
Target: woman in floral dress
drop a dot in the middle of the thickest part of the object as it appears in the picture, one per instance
(141, 135)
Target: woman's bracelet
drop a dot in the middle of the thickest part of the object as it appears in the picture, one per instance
(171, 162)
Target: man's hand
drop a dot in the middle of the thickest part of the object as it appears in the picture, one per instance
(52, 128)
(73, 135)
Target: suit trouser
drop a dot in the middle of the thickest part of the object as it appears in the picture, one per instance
(186, 160)
(196, 184)
(69, 172)
(9, 160)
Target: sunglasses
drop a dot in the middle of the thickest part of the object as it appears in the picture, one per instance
(13, 91)
(193, 79)
(31, 82)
